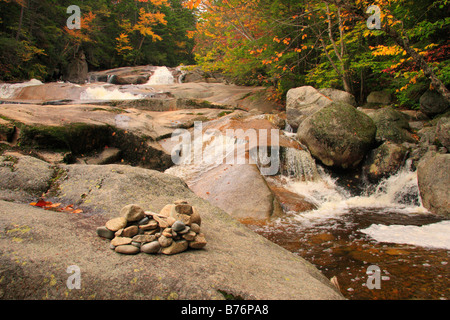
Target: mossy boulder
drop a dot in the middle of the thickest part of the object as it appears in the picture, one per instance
(338, 135)
(392, 125)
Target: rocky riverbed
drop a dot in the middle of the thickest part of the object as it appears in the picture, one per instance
(100, 146)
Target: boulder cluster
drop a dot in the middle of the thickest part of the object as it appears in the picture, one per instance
(175, 229)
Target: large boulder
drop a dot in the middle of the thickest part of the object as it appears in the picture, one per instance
(23, 178)
(379, 97)
(433, 175)
(302, 102)
(339, 96)
(392, 125)
(443, 132)
(42, 248)
(77, 70)
(384, 161)
(219, 187)
(338, 135)
(432, 103)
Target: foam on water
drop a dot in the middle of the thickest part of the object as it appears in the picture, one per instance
(101, 93)
(162, 75)
(204, 153)
(9, 90)
(436, 235)
(397, 194)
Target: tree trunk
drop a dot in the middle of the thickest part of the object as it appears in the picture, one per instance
(403, 42)
(19, 28)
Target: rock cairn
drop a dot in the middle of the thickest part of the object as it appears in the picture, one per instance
(175, 229)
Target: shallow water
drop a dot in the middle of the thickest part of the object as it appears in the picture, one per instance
(339, 249)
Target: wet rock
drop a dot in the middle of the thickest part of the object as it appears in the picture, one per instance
(338, 135)
(384, 161)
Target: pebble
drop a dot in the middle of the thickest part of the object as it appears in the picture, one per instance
(144, 238)
(195, 227)
(132, 212)
(120, 241)
(178, 226)
(164, 241)
(183, 209)
(144, 220)
(185, 230)
(127, 249)
(152, 224)
(199, 242)
(168, 233)
(130, 231)
(104, 232)
(116, 224)
(190, 236)
(175, 247)
(136, 244)
(151, 247)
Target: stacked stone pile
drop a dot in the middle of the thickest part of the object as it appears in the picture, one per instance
(175, 229)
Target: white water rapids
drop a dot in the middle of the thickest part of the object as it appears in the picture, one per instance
(396, 195)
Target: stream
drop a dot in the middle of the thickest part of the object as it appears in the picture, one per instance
(384, 226)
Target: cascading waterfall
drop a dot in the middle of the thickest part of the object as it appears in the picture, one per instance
(299, 165)
(101, 93)
(9, 90)
(162, 75)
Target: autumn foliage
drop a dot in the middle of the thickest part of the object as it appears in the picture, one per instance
(285, 43)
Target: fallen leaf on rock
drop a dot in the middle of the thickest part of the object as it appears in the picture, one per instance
(41, 203)
(48, 205)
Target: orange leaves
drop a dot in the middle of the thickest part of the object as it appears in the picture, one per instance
(82, 35)
(48, 205)
(192, 4)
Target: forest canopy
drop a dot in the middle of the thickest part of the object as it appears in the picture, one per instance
(276, 43)
(36, 43)
(288, 43)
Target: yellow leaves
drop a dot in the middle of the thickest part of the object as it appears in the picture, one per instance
(146, 21)
(382, 50)
(190, 34)
(123, 44)
(275, 39)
